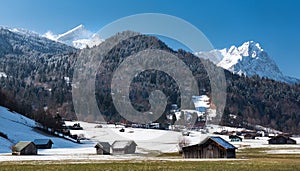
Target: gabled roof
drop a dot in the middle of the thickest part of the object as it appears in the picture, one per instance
(42, 141)
(21, 145)
(217, 140)
(279, 136)
(222, 142)
(103, 145)
(122, 144)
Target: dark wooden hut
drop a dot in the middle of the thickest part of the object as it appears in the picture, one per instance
(103, 148)
(211, 147)
(281, 139)
(24, 148)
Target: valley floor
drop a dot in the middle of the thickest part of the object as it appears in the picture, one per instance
(156, 150)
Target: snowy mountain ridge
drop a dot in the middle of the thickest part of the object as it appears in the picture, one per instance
(248, 59)
(78, 37)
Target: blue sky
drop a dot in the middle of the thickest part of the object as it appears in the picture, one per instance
(274, 24)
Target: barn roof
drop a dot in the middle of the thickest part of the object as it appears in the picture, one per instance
(42, 141)
(21, 145)
(122, 144)
(282, 136)
(216, 139)
(104, 145)
(223, 143)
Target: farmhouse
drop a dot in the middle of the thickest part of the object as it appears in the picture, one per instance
(24, 148)
(43, 143)
(235, 138)
(123, 147)
(281, 139)
(210, 147)
(103, 148)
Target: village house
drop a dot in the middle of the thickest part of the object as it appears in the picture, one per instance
(281, 139)
(123, 147)
(103, 148)
(24, 148)
(249, 136)
(235, 138)
(43, 143)
(210, 147)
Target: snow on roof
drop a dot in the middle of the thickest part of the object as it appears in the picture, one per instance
(122, 144)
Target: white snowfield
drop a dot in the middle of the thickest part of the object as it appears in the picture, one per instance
(150, 142)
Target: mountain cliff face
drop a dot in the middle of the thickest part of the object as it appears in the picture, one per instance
(248, 59)
(37, 82)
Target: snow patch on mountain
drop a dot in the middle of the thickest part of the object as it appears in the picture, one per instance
(248, 59)
(78, 37)
(3, 74)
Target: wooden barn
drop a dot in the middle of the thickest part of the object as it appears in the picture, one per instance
(210, 147)
(43, 143)
(24, 148)
(235, 138)
(124, 147)
(281, 139)
(103, 148)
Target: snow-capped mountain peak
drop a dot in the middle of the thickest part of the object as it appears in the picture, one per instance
(78, 32)
(235, 55)
(78, 37)
(248, 59)
(250, 48)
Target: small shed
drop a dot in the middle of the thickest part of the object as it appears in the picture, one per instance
(103, 148)
(24, 148)
(124, 147)
(210, 147)
(281, 139)
(235, 138)
(43, 143)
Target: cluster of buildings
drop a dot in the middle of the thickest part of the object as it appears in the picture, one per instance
(102, 148)
(31, 147)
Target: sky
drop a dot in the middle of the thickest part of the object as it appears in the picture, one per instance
(274, 24)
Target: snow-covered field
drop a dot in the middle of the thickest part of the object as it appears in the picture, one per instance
(150, 142)
(20, 128)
